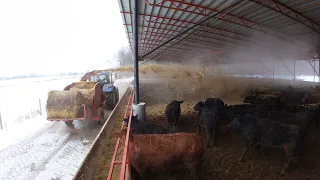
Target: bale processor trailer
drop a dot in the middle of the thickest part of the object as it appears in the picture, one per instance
(106, 80)
(84, 100)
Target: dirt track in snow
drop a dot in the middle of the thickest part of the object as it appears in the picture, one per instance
(52, 152)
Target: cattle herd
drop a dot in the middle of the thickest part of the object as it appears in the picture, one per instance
(267, 118)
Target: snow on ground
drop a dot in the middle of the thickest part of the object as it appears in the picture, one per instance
(123, 80)
(20, 81)
(44, 154)
(20, 131)
(40, 149)
(20, 103)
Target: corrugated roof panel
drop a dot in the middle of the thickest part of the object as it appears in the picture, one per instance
(245, 9)
(162, 19)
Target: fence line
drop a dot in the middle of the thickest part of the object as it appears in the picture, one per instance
(1, 127)
(40, 108)
(22, 116)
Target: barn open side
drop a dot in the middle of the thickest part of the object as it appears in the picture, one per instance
(221, 162)
(271, 39)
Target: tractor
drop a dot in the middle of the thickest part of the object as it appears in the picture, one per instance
(84, 100)
(106, 80)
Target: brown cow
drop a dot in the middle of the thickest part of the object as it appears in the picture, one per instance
(158, 152)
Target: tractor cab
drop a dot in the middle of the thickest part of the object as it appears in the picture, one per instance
(106, 81)
(103, 78)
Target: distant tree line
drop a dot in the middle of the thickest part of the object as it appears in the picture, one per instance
(124, 57)
(33, 75)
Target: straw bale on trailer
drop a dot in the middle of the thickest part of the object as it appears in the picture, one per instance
(87, 89)
(84, 85)
(87, 95)
(70, 103)
(65, 104)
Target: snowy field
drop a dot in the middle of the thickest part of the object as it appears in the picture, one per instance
(32, 147)
(20, 81)
(20, 102)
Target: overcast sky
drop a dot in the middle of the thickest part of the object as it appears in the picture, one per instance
(46, 36)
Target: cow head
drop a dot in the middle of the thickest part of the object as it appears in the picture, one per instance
(250, 99)
(134, 120)
(198, 106)
(234, 124)
(178, 102)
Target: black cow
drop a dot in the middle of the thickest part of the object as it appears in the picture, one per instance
(257, 132)
(301, 119)
(209, 119)
(216, 103)
(270, 101)
(199, 106)
(231, 111)
(148, 128)
(294, 97)
(173, 111)
(313, 111)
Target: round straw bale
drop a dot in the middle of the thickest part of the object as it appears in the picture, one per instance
(64, 104)
(84, 84)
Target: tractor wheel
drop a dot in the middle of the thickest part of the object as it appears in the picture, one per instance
(117, 95)
(110, 100)
(102, 119)
(114, 97)
(69, 123)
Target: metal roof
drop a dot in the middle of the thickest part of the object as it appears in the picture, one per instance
(232, 24)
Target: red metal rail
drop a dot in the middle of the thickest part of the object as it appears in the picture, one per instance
(226, 17)
(125, 160)
(181, 24)
(289, 12)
